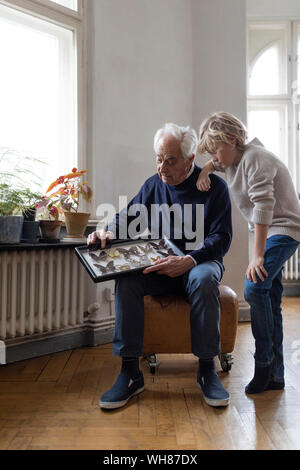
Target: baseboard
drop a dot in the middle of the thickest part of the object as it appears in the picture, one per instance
(41, 345)
(291, 288)
(244, 311)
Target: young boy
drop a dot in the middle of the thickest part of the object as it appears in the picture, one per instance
(263, 190)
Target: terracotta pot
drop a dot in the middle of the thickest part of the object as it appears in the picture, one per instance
(50, 229)
(76, 223)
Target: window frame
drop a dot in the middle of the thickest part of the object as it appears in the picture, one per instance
(296, 104)
(60, 8)
(293, 116)
(270, 24)
(75, 22)
(284, 108)
(47, 7)
(269, 46)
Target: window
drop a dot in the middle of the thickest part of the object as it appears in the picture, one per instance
(274, 89)
(274, 134)
(61, 5)
(264, 77)
(72, 4)
(298, 56)
(39, 91)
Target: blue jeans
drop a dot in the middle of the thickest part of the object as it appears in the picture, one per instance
(264, 299)
(200, 285)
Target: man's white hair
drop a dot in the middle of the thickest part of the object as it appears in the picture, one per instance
(186, 135)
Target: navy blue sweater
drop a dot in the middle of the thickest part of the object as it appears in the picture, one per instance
(217, 213)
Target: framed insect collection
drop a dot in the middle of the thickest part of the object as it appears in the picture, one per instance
(123, 257)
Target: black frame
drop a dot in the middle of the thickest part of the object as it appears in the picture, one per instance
(166, 248)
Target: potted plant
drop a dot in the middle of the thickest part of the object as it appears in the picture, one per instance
(69, 189)
(30, 201)
(50, 224)
(13, 206)
(17, 195)
(30, 225)
(11, 220)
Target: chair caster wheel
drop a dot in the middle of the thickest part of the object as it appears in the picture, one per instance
(226, 361)
(152, 362)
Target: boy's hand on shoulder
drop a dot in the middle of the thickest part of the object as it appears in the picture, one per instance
(203, 182)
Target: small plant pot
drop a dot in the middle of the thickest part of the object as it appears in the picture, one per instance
(29, 214)
(10, 229)
(30, 231)
(76, 223)
(50, 229)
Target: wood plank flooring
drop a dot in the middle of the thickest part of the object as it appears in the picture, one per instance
(52, 402)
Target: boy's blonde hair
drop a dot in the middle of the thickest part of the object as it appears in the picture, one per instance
(221, 127)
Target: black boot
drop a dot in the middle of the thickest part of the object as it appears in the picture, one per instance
(273, 385)
(261, 379)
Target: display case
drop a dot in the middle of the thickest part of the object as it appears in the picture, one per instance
(121, 258)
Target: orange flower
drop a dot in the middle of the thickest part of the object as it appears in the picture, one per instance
(53, 185)
(60, 191)
(68, 192)
(69, 176)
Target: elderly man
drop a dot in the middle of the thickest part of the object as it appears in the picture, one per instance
(197, 273)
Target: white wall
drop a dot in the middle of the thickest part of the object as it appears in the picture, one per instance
(219, 58)
(220, 84)
(142, 79)
(156, 61)
(140, 76)
(273, 8)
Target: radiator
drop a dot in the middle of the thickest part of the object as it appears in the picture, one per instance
(40, 291)
(291, 271)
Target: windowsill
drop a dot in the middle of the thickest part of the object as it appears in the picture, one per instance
(40, 246)
(48, 246)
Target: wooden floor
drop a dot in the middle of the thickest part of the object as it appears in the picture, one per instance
(52, 402)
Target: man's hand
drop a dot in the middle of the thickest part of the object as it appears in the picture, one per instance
(172, 266)
(100, 235)
(203, 182)
(256, 266)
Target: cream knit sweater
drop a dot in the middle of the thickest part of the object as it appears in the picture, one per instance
(262, 188)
